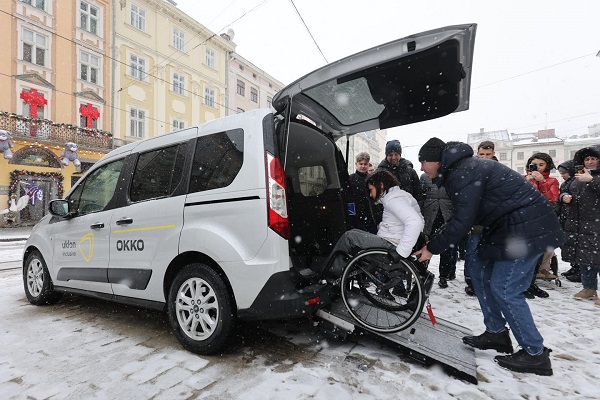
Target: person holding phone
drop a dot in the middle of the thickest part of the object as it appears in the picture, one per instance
(583, 222)
(538, 174)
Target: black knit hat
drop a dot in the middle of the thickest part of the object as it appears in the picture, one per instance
(432, 150)
(393, 145)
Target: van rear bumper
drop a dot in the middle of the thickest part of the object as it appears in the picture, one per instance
(281, 299)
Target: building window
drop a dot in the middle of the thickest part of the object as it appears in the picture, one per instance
(138, 18)
(137, 67)
(254, 95)
(137, 123)
(178, 83)
(90, 68)
(83, 119)
(241, 88)
(502, 156)
(209, 58)
(552, 153)
(41, 4)
(34, 47)
(520, 155)
(209, 97)
(178, 39)
(178, 124)
(270, 102)
(89, 17)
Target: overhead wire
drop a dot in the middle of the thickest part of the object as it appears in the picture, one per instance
(309, 32)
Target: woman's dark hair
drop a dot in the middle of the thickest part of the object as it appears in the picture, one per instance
(382, 176)
(542, 156)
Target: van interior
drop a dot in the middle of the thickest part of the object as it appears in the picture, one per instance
(316, 176)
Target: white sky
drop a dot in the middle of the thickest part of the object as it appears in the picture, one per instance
(535, 63)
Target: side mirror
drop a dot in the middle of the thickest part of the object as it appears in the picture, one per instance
(59, 207)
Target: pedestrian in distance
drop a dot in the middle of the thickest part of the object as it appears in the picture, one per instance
(539, 166)
(518, 226)
(437, 209)
(361, 205)
(486, 149)
(563, 210)
(402, 169)
(582, 223)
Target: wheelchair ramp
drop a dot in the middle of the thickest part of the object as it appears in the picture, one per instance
(423, 342)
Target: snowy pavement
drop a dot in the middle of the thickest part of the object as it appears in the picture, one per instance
(85, 348)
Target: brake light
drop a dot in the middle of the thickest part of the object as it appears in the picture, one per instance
(276, 197)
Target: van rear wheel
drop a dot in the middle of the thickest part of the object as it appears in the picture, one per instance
(200, 309)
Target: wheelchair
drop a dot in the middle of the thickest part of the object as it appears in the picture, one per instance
(383, 291)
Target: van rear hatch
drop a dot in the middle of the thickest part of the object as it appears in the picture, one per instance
(417, 78)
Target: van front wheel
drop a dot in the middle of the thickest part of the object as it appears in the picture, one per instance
(200, 309)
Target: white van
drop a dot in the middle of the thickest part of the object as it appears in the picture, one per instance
(213, 223)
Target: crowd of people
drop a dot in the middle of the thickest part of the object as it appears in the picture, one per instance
(504, 225)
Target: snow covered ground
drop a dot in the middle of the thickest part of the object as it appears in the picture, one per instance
(84, 348)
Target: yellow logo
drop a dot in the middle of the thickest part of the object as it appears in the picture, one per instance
(86, 246)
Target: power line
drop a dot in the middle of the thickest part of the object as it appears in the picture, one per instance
(532, 71)
(309, 32)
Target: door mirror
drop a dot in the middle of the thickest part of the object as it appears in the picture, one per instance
(60, 207)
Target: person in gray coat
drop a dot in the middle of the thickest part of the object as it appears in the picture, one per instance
(437, 209)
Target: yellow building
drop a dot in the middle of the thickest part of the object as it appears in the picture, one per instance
(54, 78)
(169, 70)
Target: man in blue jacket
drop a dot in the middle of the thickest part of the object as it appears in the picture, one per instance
(519, 225)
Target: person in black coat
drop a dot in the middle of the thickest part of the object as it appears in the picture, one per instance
(582, 224)
(519, 225)
(362, 208)
(402, 169)
(563, 210)
(437, 209)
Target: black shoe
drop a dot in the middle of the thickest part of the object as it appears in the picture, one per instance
(523, 362)
(535, 289)
(443, 282)
(469, 290)
(400, 292)
(572, 271)
(491, 341)
(529, 294)
(574, 278)
(451, 277)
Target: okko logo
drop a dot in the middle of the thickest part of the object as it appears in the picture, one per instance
(130, 245)
(86, 246)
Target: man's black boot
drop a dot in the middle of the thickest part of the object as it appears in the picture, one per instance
(443, 282)
(521, 361)
(469, 288)
(574, 277)
(535, 289)
(491, 341)
(529, 293)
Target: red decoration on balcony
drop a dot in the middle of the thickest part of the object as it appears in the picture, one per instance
(35, 100)
(90, 113)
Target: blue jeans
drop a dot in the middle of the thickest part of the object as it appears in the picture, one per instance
(589, 276)
(499, 287)
(470, 251)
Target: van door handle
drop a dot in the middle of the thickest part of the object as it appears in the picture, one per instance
(125, 221)
(98, 225)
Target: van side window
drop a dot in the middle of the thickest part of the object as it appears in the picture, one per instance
(312, 180)
(157, 173)
(217, 161)
(96, 191)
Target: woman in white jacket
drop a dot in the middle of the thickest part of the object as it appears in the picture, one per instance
(400, 227)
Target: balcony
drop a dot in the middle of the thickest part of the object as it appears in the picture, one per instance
(47, 131)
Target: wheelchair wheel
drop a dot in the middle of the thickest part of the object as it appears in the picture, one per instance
(381, 295)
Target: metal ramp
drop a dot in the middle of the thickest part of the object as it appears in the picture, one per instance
(422, 342)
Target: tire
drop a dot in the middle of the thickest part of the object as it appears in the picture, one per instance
(37, 282)
(200, 310)
(380, 310)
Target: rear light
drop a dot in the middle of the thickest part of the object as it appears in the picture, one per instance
(313, 300)
(276, 197)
